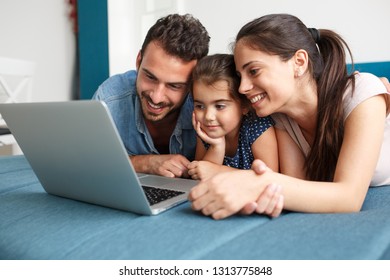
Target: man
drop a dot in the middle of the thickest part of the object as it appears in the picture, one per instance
(151, 106)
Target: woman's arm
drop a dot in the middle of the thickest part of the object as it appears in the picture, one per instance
(227, 193)
(363, 135)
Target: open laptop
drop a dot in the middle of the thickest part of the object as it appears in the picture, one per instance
(76, 152)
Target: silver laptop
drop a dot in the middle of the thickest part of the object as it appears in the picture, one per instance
(76, 152)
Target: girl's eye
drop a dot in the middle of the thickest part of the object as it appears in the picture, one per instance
(220, 106)
(198, 106)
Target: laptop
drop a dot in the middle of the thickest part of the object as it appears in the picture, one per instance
(76, 152)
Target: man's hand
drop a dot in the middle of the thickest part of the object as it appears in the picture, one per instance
(172, 165)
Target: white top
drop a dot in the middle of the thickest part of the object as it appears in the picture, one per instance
(366, 86)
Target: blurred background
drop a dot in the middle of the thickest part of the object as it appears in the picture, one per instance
(77, 44)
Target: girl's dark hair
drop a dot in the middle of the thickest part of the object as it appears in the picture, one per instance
(182, 36)
(219, 67)
(283, 35)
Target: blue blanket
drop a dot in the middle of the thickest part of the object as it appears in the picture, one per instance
(36, 225)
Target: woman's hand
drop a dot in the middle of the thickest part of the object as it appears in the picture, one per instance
(226, 193)
(271, 201)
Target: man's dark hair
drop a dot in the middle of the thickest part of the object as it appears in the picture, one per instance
(182, 36)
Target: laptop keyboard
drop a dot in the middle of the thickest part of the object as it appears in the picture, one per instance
(156, 195)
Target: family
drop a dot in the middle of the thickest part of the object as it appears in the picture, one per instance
(278, 124)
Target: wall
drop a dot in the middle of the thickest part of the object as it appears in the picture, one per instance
(93, 58)
(41, 31)
(360, 23)
(128, 23)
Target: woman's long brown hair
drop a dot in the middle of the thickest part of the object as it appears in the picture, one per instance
(284, 35)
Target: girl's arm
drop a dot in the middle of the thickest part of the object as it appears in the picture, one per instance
(200, 150)
(220, 196)
(266, 148)
(292, 162)
(202, 168)
(271, 200)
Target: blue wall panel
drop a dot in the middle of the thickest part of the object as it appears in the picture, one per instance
(380, 69)
(92, 45)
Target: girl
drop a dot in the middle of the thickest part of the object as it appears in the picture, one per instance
(332, 128)
(228, 131)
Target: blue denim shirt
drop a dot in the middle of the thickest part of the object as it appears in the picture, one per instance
(120, 94)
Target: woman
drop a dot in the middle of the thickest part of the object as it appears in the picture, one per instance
(333, 129)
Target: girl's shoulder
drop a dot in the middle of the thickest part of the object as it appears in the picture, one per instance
(253, 126)
(251, 120)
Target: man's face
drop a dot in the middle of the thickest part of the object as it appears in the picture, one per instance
(162, 83)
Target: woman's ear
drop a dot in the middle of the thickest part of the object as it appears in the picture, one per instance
(301, 61)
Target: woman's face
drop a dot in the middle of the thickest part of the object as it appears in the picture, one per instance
(266, 80)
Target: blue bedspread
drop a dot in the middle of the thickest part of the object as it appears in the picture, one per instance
(36, 225)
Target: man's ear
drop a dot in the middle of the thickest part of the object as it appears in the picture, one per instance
(138, 61)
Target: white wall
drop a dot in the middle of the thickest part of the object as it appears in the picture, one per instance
(363, 24)
(128, 23)
(40, 31)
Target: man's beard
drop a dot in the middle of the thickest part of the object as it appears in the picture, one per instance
(147, 103)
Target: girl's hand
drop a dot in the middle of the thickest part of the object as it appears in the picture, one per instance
(204, 136)
(202, 170)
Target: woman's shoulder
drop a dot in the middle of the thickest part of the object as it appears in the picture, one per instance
(281, 120)
(369, 84)
(366, 85)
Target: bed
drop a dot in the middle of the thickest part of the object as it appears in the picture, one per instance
(37, 226)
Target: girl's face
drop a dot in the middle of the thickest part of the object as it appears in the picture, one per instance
(218, 113)
(266, 80)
